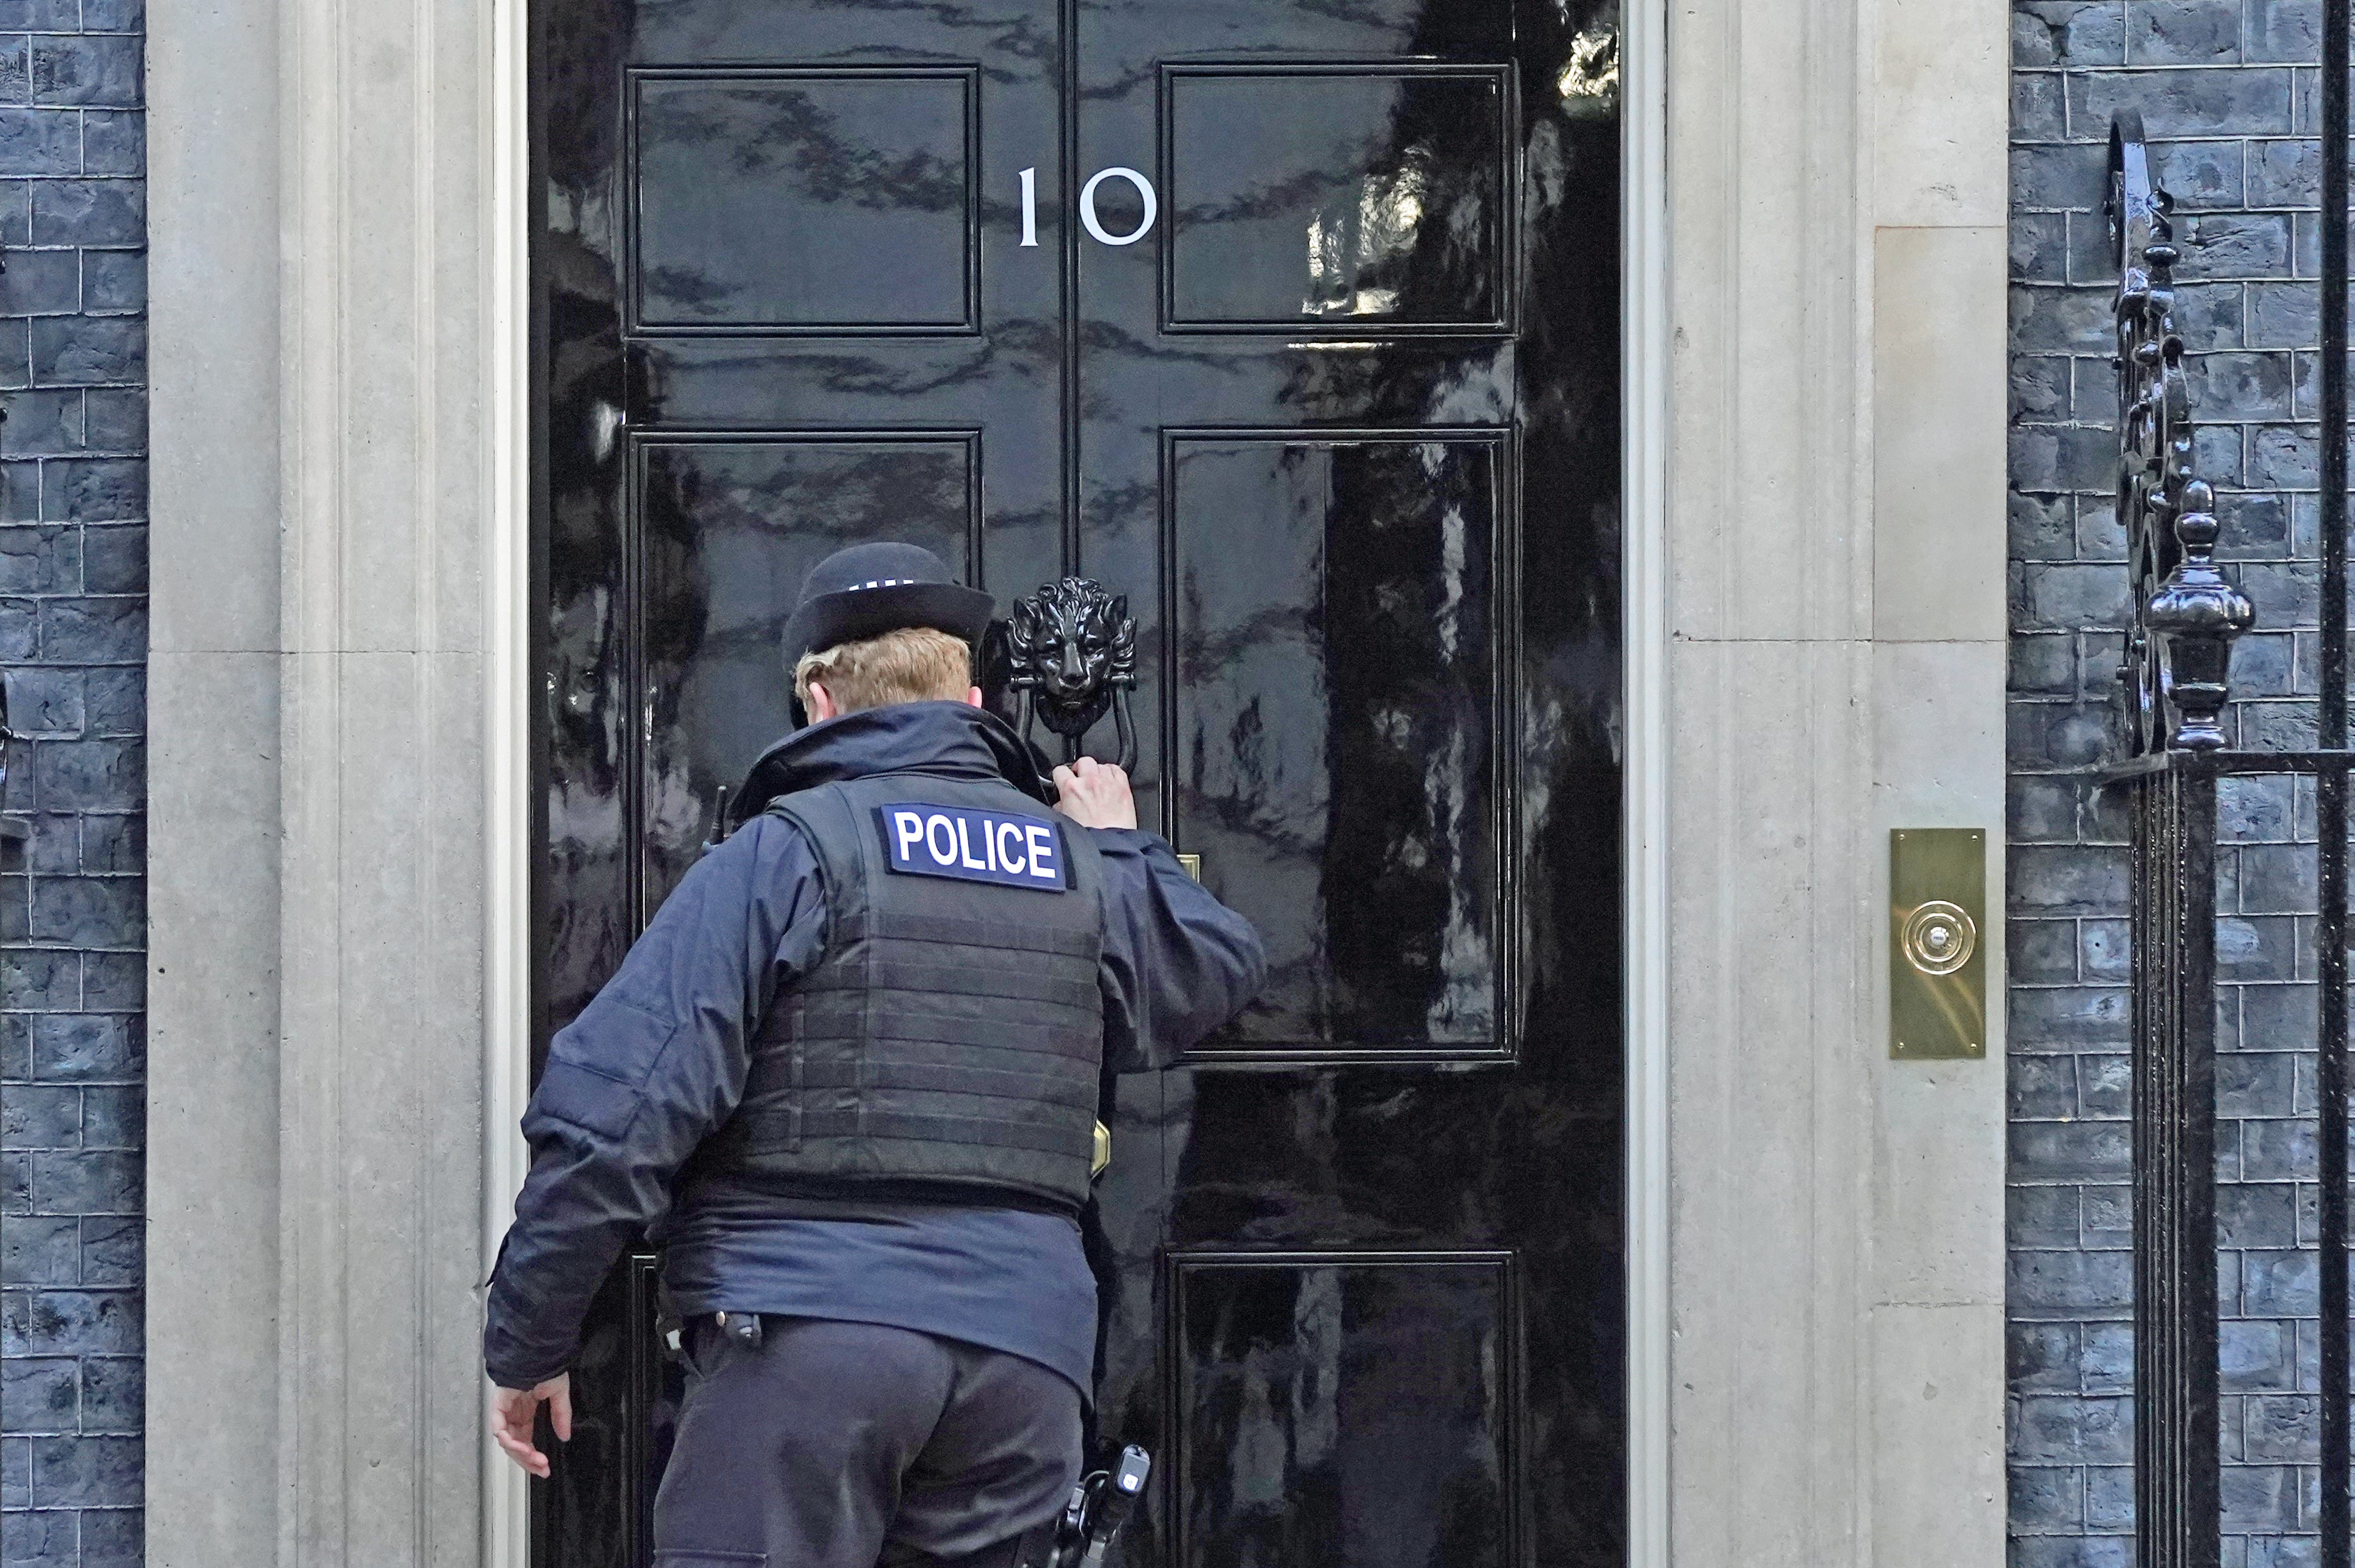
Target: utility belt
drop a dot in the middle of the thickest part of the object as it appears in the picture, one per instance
(744, 1328)
(670, 1324)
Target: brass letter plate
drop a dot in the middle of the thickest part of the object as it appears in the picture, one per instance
(1938, 943)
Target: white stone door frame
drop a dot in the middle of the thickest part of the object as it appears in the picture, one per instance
(1644, 651)
(339, 778)
(507, 949)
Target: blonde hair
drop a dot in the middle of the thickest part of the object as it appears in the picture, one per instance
(912, 664)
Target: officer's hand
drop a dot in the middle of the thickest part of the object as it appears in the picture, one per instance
(1096, 793)
(514, 1412)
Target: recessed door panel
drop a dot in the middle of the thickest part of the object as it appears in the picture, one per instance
(828, 201)
(728, 527)
(1297, 325)
(1336, 702)
(1356, 1408)
(1337, 198)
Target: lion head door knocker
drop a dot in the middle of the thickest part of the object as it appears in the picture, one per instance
(1070, 658)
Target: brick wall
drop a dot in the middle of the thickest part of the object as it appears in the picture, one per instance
(73, 638)
(2228, 95)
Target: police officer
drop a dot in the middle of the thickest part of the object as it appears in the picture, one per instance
(848, 1078)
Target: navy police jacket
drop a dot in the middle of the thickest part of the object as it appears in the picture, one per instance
(657, 1063)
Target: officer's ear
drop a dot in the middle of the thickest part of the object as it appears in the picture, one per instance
(973, 696)
(821, 703)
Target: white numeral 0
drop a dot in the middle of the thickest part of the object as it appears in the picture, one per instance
(1088, 219)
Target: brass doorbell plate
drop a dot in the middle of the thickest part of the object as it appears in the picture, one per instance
(1938, 938)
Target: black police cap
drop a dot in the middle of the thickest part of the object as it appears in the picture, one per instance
(866, 590)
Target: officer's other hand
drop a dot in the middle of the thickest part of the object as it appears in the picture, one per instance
(515, 1411)
(1096, 793)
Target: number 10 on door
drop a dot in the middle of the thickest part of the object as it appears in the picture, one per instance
(1088, 218)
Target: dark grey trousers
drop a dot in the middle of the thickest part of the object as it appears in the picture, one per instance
(850, 1444)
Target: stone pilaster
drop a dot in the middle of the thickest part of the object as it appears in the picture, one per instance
(328, 1038)
(1835, 545)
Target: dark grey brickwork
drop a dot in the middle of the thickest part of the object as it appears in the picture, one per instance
(2227, 92)
(73, 639)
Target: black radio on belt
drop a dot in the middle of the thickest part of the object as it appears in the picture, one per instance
(1098, 1506)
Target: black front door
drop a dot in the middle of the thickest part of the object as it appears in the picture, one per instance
(1297, 322)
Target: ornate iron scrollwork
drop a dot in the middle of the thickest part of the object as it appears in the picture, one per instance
(1070, 658)
(2185, 615)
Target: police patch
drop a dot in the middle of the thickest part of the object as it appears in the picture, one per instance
(972, 846)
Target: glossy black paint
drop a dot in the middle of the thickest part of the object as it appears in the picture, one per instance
(1343, 427)
(751, 184)
(1383, 1381)
(1396, 174)
(1336, 714)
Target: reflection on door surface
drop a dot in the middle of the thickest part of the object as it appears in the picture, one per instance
(1323, 375)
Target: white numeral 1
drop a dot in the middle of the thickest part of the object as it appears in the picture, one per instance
(1031, 206)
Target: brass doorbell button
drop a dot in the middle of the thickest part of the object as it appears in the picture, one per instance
(1940, 938)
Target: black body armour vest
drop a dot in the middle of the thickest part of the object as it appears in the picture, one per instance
(953, 1033)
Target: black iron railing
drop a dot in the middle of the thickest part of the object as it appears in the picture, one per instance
(12, 830)
(2177, 740)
